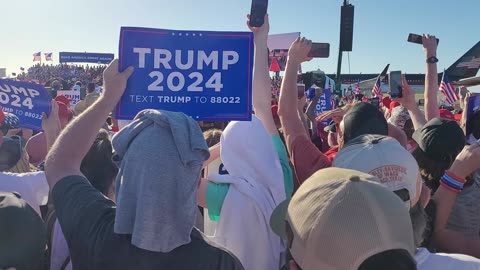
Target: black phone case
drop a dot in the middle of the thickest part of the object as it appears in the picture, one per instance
(257, 12)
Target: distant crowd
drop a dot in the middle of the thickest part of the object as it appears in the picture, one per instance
(68, 74)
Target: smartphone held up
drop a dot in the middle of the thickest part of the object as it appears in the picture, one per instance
(258, 12)
(319, 50)
(395, 82)
(414, 38)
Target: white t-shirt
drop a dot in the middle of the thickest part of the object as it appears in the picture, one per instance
(442, 261)
(32, 187)
(59, 249)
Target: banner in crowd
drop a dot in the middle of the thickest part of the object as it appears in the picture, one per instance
(281, 41)
(278, 46)
(323, 104)
(71, 94)
(26, 100)
(206, 75)
(84, 57)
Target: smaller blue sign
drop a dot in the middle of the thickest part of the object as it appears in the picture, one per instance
(84, 57)
(324, 104)
(26, 100)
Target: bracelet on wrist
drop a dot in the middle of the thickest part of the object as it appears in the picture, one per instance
(452, 182)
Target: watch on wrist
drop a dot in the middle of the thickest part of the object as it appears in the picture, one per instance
(432, 60)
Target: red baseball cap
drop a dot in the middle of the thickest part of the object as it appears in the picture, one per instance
(63, 111)
(394, 104)
(63, 99)
(458, 116)
(446, 114)
(386, 102)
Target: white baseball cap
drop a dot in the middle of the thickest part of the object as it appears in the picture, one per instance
(384, 158)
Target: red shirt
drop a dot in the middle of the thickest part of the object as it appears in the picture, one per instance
(307, 158)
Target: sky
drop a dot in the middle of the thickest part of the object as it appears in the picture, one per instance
(380, 30)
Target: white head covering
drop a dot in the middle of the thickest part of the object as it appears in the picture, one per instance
(256, 188)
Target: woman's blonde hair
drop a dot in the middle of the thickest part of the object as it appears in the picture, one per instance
(23, 165)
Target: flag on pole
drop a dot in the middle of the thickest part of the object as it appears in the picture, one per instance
(48, 56)
(448, 90)
(377, 91)
(37, 57)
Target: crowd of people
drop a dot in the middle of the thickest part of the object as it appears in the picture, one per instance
(359, 187)
(68, 73)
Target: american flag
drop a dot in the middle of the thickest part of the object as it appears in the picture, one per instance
(448, 90)
(48, 56)
(37, 56)
(376, 91)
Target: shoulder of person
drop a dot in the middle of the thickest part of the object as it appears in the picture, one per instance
(228, 260)
(427, 260)
(25, 176)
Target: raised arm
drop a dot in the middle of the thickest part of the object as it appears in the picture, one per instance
(305, 156)
(311, 108)
(287, 105)
(408, 101)
(262, 95)
(443, 238)
(66, 155)
(431, 78)
(303, 117)
(51, 126)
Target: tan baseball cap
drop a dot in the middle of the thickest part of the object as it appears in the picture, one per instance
(340, 218)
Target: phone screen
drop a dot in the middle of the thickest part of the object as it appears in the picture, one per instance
(320, 50)
(395, 81)
(301, 90)
(414, 38)
(257, 12)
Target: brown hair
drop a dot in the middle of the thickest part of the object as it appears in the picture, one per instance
(430, 170)
(212, 136)
(97, 165)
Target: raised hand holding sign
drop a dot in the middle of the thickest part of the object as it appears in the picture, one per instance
(28, 101)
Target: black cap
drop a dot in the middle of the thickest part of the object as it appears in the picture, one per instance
(22, 233)
(440, 139)
(332, 127)
(363, 118)
(11, 152)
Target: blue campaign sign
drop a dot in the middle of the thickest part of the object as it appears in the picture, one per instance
(84, 57)
(26, 100)
(207, 75)
(324, 104)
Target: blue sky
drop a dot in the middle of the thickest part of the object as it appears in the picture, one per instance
(380, 31)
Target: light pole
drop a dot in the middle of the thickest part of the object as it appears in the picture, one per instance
(346, 39)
